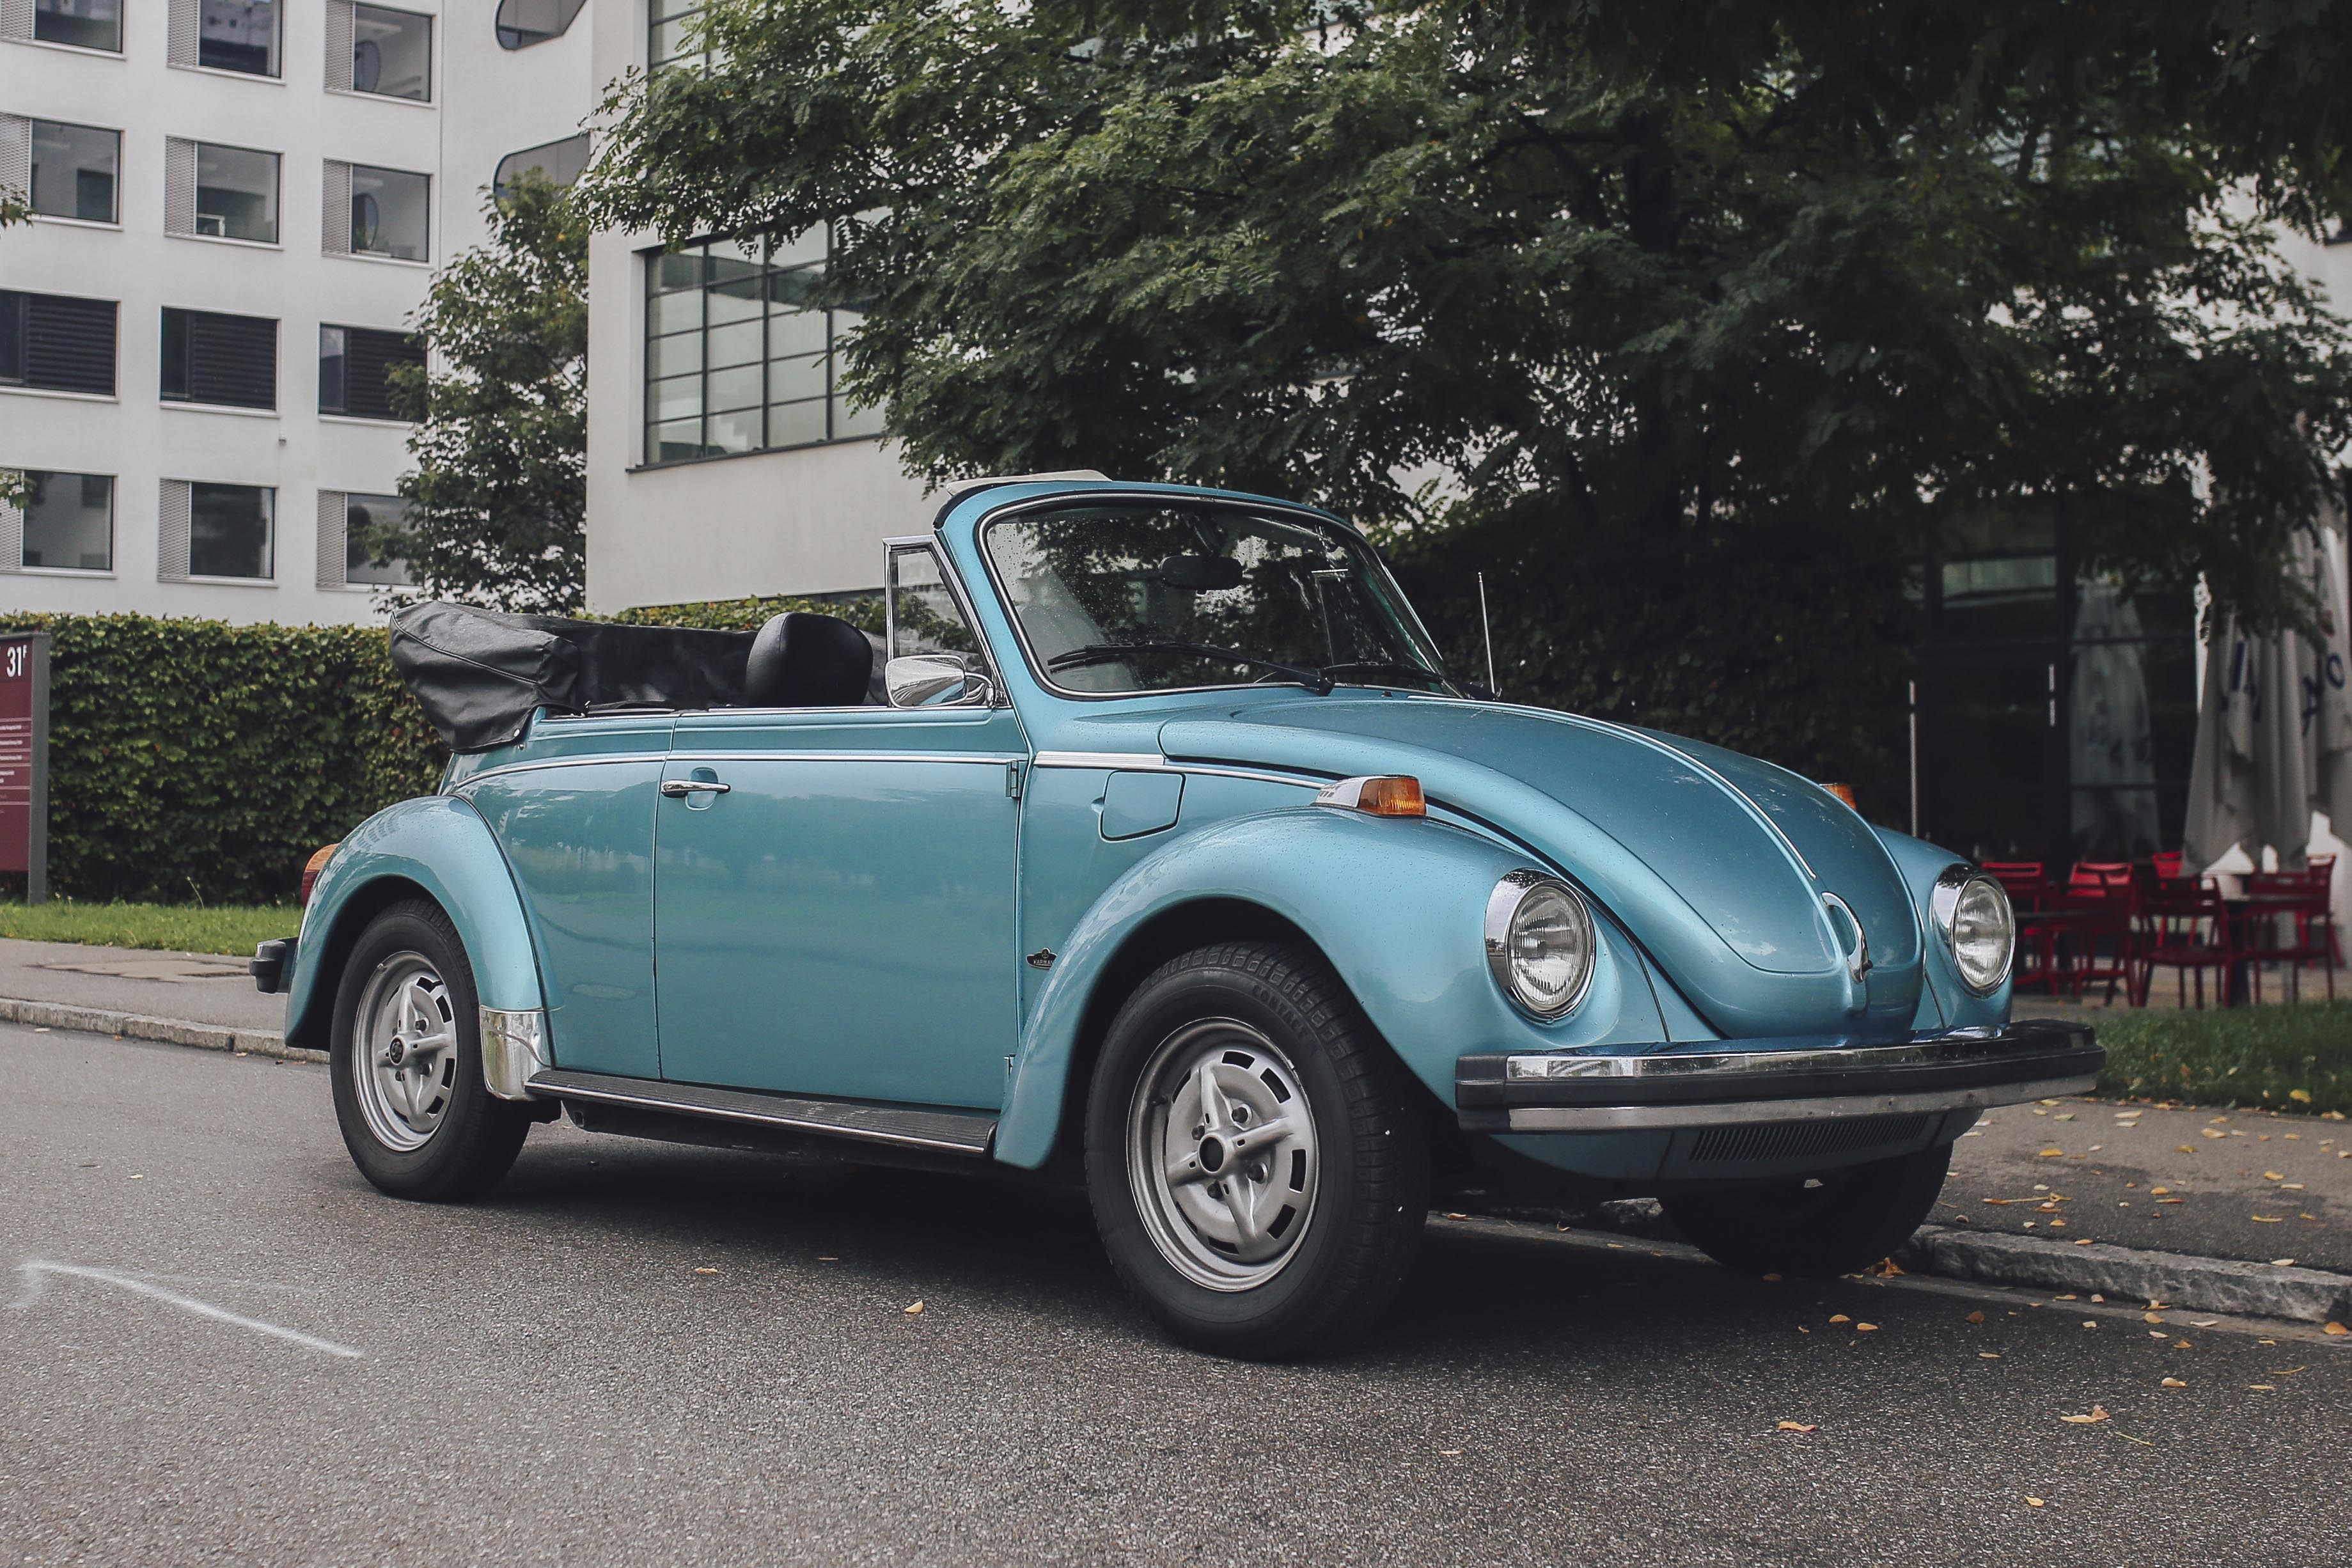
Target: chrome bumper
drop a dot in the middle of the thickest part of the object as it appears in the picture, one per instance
(1726, 1083)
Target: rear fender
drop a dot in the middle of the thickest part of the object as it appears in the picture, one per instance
(437, 846)
(1398, 908)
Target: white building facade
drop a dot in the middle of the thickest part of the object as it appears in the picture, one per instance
(724, 461)
(238, 204)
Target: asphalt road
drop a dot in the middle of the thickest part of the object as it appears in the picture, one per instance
(636, 1354)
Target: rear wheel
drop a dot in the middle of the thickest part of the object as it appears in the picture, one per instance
(1817, 1227)
(1256, 1157)
(406, 1061)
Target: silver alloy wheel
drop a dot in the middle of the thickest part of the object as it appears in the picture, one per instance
(1221, 1155)
(404, 1051)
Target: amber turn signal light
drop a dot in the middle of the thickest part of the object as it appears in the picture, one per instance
(312, 867)
(1843, 792)
(1384, 794)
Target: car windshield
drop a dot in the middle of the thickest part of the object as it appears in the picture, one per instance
(1166, 596)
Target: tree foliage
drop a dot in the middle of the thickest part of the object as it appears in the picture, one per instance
(499, 496)
(1688, 322)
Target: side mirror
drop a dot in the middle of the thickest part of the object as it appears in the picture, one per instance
(935, 680)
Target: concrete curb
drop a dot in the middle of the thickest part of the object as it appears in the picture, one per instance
(2184, 1282)
(138, 1026)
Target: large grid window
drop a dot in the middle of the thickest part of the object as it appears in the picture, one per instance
(665, 42)
(237, 35)
(391, 214)
(359, 568)
(391, 53)
(232, 531)
(736, 361)
(236, 194)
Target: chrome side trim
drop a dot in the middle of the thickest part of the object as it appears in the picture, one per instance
(514, 1048)
(1101, 760)
(1662, 1118)
(602, 760)
(947, 1132)
(1941, 1051)
(994, 759)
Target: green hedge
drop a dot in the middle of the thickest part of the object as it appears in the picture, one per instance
(194, 761)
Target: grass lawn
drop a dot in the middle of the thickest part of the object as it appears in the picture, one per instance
(186, 928)
(2276, 1058)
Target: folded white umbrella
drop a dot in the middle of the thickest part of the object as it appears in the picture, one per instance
(2275, 727)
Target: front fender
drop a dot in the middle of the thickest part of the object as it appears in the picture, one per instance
(1397, 907)
(1945, 1002)
(439, 844)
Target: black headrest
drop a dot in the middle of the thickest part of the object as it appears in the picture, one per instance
(803, 660)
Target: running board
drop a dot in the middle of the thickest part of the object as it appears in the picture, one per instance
(966, 1132)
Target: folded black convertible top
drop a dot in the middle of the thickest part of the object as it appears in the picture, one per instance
(479, 674)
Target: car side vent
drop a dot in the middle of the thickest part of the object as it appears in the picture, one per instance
(1797, 1139)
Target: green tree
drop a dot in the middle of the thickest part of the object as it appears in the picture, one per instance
(499, 496)
(1686, 322)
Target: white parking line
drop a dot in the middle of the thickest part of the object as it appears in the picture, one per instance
(37, 1271)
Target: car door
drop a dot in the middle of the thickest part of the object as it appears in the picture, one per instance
(841, 920)
(572, 806)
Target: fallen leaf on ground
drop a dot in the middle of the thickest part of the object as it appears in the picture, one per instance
(2338, 1329)
(2172, 1383)
(1977, 1316)
(2180, 1344)
(915, 1310)
(2052, 1155)
(2263, 1387)
(1988, 1355)
(2084, 1242)
(1771, 1279)
(2273, 1175)
(1796, 1426)
(1451, 1453)
(2184, 1149)
(2035, 1502)
(2300, 1096)
(2149, 1317)
(2282, 1262)
(2090, 1322)
(1865, 1328)
(2167, 1200)
(1840, 1318)
(2268, 1218)
(2159, 1192)
(2098, 1414)
(706, 1271)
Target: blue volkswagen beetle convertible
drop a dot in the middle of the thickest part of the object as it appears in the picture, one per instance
(1153, 848)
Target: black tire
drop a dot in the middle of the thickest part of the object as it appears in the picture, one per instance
(1851, 1220)
(1366, 1192)
(474, 1136)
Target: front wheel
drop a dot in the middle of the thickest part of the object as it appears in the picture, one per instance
(1256, 1159)
(406, 1060)
(1818, 1227)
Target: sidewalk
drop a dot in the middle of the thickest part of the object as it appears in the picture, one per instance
(188, 998)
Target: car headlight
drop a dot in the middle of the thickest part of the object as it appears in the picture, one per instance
(1973, 917)
(1540, 942)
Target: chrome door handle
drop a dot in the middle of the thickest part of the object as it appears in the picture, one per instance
(675, 788)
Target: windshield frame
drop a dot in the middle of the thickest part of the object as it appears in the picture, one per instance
(1078, 500)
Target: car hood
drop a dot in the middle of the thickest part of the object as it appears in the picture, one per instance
(1715, 862)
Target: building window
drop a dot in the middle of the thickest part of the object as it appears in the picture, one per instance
(80, 24)
(227, 360)
(391, 215)
(391, 53)
(360, 511)
(74, 169)
(559, 163)
(55, 343)
(353, 366)
(523, 22)
(232, 531)
(236, 194)
(225, 35)
(735, 359)
(667, 42)
(69, 522)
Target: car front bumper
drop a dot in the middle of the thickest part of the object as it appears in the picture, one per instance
(1721, 1083)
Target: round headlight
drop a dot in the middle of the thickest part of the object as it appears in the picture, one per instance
(1540, 942)
(1973, 916)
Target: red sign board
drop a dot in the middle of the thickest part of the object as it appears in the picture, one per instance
(24, 758)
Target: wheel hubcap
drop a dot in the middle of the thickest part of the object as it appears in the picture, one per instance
(1222, 1155)
(404, 1051)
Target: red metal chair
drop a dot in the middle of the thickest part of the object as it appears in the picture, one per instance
(2027, 883)
(2334, 958)
(2166, 862)
(2305, 909)
(2185, 926)
(2112, 916)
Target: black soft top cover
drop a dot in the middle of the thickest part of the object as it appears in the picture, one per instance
(479, 674)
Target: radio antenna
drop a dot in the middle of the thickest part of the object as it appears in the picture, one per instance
(1488, 626)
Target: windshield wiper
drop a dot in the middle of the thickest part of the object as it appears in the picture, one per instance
(1111, 653)
(1392, 666)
